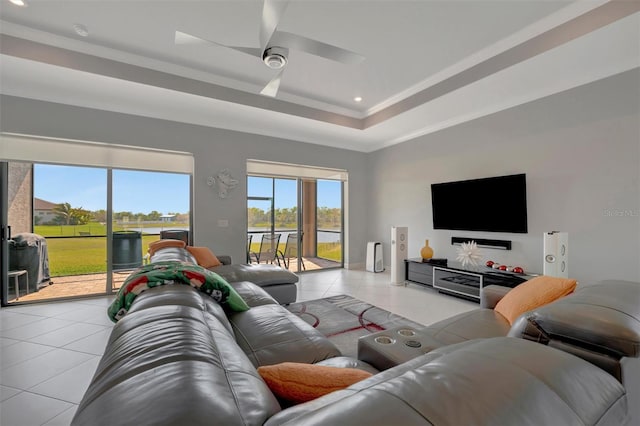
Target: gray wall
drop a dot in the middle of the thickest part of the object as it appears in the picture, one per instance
(580, 151)
(213, 149)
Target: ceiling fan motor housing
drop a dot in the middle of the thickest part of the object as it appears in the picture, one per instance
(275, 57)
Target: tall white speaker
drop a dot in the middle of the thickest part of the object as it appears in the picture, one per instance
(556, 256)
(399, 250)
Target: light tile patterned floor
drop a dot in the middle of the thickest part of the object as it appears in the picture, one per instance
(50, 351)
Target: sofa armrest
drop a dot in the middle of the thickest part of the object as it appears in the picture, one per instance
(491, 295)
(224, 259)
(602, 319)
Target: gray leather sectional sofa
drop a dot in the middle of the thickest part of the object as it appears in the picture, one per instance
(178, 358)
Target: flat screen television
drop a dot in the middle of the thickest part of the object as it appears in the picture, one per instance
(495, 204)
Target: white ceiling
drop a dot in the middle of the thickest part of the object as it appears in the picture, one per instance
(429, 64)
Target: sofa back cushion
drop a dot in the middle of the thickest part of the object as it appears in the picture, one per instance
(169, 365)
(182, 295)
(269, 334)
(252, 294)
(173, 253)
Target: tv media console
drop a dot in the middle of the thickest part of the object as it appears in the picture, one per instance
(458, 280)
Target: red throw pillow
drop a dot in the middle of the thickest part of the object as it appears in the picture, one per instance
(204, 256)
(532, 294)
(297, 382)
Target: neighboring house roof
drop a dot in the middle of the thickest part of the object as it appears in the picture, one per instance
(40, 204)
(168, 216)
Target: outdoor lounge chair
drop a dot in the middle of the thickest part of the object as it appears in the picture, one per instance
(291, 251)
(268, 249)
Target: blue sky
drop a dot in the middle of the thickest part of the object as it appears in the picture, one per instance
(142, 192)
(134, 191)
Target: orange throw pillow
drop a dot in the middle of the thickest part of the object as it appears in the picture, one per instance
(157, 245)
(532, 294)
(204, 256)
(299, 383)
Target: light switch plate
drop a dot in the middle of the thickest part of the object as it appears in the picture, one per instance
(223, 223)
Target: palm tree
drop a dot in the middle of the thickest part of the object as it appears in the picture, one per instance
(65, 211)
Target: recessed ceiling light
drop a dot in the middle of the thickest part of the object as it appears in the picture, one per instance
(19, 3)
(81, 30)
(358, 99)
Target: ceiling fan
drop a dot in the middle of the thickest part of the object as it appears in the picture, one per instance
(275, 45)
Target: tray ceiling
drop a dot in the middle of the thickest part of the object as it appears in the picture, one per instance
(429, 64)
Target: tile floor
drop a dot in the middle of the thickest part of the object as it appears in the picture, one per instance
(50, 351)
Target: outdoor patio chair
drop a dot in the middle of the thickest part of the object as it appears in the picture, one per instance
(268, 249)
(249, 239)
(291, 251)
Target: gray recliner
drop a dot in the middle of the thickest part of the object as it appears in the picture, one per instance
(599, 323)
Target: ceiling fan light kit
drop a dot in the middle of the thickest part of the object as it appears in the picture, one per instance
(275, 57)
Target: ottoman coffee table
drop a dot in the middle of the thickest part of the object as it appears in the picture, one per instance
(388, 348)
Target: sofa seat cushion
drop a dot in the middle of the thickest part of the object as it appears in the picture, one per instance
(475, 324)
(348, 362)
(269, 334)
(165, 365)
(261, 275)
(297, 382)
(498, 381)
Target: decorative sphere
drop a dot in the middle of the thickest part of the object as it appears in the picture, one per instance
(495, 266)
(490, 263)
(518, 270)
(503, 267)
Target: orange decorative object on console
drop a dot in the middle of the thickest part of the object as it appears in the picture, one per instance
(426, 252)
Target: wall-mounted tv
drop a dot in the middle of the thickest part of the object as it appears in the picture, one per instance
(495, 204)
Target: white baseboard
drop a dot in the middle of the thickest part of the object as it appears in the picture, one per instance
(355, 266)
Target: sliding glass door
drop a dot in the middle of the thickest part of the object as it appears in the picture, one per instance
(303, 216)
(329, 220)
(146, 206)
(77, 231)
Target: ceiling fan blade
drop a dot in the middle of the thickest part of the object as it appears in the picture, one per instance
(184, 38)
(188, 39)
(318, 48)
(272, 11)
(271, 89)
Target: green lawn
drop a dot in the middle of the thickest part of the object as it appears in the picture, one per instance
(94, 228)
(330, 251)
(76, 256)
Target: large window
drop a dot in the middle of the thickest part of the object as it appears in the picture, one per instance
(83, 228)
